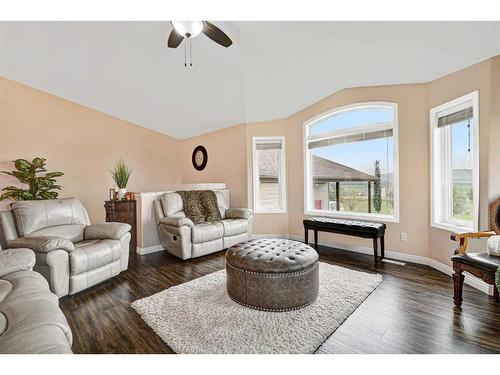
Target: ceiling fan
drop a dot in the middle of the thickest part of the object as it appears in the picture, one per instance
(190, 30)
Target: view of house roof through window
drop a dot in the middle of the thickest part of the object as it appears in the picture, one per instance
(350, 161)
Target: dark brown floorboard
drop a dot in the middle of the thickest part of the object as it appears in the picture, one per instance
(410, 312)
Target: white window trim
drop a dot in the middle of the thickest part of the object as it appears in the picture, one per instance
(282, 177)
(307, 172)
(435, 113)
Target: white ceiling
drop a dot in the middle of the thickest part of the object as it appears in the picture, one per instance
(273, 69)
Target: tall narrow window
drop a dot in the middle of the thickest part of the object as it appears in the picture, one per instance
(455, 164)
(269, 191)
(351, 162)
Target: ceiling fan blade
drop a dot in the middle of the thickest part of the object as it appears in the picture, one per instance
(216, 34)
(174, 39)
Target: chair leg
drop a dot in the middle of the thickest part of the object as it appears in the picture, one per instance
(458, 286)
(382, 247)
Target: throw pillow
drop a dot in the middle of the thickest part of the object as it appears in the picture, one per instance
(493, 245)
(210, 206)
(193, 207)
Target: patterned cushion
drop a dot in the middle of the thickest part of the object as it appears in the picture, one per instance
(193, 208)
(210, 207)
(200, 205)
(493, 245)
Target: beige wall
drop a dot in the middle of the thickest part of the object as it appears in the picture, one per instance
(225, 166)
(226, 161)
(442, 90)
(413, 171)
(83, 144)
(414, 102)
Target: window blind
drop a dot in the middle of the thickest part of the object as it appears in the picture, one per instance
(351, 138)
(453, 118)
(268, 146)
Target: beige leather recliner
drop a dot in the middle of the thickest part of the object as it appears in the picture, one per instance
(71, 253)
(184, 239)
(30, 318)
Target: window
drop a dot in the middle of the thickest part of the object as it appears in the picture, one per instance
(351, 162)
(455, 164)
(269, 190)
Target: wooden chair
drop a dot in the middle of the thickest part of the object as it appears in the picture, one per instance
(480, 264)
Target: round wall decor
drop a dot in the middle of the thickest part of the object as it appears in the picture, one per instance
(199, 158)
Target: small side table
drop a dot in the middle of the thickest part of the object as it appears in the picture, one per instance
(123, 211)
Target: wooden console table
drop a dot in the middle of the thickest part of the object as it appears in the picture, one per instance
(124, 212)
(364, 229)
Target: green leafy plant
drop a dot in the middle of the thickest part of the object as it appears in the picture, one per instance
(121, 173)
(39, 186)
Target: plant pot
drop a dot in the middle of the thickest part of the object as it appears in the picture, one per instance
(121, 193)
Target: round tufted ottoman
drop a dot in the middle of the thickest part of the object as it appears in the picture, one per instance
(272, 274)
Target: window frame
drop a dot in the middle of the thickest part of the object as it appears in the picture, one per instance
(281, 178)
(308, 183)
(439, 219)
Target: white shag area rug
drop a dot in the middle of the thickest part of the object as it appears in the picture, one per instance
(199, 317)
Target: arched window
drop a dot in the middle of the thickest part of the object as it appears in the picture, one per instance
(351, 162)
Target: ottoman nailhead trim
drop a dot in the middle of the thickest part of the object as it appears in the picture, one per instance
(272, 310)
(315, 265)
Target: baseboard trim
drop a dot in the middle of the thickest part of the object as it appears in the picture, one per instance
(469, 279)
(149, 250)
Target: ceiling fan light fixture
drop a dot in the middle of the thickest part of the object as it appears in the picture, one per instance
(189, 29)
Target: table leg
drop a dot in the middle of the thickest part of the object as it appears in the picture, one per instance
(306, 235)
(315, 238)
(375, 252)
(382, 247)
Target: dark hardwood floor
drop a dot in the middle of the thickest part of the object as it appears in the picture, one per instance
(410, 312)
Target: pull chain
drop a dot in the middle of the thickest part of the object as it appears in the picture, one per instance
(468, 127)
(190, 54)
(185, 55)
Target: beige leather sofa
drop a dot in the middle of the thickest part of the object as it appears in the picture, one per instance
(71, 253)
(184, 239)
(30, 318)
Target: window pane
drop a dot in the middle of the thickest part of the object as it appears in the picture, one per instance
(353, 166)
(362, 170)
(269, 175)
(462, 207)
(352, 118)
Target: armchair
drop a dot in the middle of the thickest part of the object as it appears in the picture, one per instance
(71, 253)
(479, 264)
(184, 239)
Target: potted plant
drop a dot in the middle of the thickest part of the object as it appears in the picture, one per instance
(39, 186)
(121, 173)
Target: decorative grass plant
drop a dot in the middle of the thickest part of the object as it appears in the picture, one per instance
(121, 173)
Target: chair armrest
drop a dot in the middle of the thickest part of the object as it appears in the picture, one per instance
(177, 221)
(16, 260)
(463, 239)
(238, 213)
(42, 244)
(101, 231)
